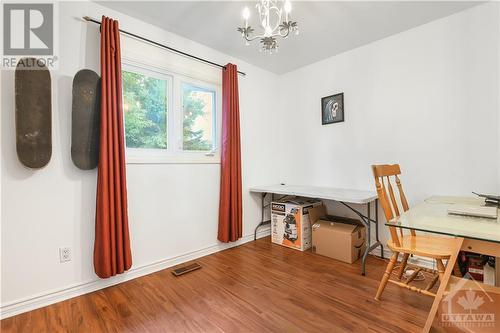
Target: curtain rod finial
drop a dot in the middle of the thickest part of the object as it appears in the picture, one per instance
(86, 18)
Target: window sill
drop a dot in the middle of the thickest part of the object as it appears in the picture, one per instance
(181, 158)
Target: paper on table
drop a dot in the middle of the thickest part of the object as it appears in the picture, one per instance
(469, 201)
(479, 211)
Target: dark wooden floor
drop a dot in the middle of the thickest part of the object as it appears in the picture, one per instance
(256, 287)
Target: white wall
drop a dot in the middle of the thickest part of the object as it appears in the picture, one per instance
(498, 106)
(173, 208)
(426, 98)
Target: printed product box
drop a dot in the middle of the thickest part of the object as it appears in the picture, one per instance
(475, 267)
(290, 224)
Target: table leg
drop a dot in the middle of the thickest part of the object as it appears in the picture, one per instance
(442, 285)
(497, 271)
(263, 209)
(376, 230)
(368, 244)
(367, 221)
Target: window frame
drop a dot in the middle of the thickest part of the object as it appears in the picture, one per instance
(174, 154)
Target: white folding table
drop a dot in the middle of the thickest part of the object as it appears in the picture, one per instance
(344, 196)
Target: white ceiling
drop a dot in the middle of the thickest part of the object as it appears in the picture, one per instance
(327, 28)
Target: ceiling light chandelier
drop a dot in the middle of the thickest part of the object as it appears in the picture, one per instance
(271, 20)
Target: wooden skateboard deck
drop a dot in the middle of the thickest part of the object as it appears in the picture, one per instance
(33, 115)
(85, 119)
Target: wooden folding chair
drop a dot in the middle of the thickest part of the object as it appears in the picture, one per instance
(437, 248)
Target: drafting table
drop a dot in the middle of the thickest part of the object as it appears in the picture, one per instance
(344, 196)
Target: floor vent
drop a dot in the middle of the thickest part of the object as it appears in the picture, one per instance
(186, 269)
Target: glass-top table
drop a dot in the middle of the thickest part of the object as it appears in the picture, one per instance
(432, 216)
(474, 234)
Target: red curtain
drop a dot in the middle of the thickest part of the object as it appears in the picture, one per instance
(230, 207)
(112, 254)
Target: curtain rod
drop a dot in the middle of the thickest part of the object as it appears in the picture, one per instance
(89, 19)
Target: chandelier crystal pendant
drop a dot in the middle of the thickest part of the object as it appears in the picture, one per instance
(274, 20)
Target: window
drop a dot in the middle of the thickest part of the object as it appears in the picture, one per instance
(169, 118)
(198, 111)
(145, 109)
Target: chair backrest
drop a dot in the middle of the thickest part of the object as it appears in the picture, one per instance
(383, 174)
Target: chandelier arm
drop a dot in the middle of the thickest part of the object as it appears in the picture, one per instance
(278, 34)
(249, 39)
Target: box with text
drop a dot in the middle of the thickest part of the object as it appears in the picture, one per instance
(290, 225)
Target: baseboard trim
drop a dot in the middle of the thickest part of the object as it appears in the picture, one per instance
(41, 300)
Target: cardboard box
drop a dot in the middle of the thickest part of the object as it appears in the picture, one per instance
(290, 224)
(337, 237)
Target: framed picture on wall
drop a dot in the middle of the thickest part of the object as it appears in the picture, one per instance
(332, 109)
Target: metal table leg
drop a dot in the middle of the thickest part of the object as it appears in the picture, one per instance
(370, 247)
(368, 234)
(263, 209)
(376, 230)
(367, 221)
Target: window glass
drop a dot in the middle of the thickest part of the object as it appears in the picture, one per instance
(145, 109)
(198, 115)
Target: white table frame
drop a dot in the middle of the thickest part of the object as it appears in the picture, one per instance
(343, 196)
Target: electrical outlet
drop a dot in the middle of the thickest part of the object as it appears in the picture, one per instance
(64, 254)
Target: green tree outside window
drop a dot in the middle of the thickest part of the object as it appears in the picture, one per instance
(198, 107)
(145, 109)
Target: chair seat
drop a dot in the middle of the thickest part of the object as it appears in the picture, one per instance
(427, 246)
